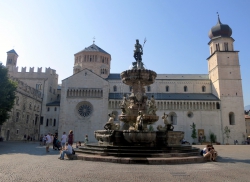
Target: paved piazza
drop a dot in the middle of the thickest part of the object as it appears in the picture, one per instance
(29, 162)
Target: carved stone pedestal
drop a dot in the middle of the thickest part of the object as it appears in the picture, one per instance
(105, 137)
(139, 137)
(161, 139)
(174, 138)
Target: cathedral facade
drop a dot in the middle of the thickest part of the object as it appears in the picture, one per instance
(212, 101)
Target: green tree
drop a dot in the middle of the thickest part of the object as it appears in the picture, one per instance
(7, 94)
(212, 137)
(194, 133)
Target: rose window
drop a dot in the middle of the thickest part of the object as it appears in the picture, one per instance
(85, 110)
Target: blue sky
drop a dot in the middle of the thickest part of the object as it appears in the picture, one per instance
(48, 33)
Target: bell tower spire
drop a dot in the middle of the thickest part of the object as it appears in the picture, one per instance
(225, 76)
(11, 59)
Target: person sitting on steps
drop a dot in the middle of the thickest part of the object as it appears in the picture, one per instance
(214, 153)
(209, 153)
(67, 151)
(78, 144)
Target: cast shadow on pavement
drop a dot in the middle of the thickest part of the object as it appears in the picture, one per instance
(20, 147)
(232, 160)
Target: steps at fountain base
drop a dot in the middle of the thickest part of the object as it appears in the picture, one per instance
(142, 160)
(135, 149)
(139, 154)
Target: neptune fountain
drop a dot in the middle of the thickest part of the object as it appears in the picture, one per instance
(138, 112)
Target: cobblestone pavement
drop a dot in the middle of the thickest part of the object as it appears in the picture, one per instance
(29, 162)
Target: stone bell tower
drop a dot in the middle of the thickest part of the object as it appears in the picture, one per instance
(224, 73)
(11, 60)
(93, 58)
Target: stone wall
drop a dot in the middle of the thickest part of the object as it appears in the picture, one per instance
(25, 115)
(82, 114)
(174, 86)
(46, 82)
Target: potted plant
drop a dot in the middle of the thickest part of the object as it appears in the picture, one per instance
(227, 133)
(212, 137)
(194, 134)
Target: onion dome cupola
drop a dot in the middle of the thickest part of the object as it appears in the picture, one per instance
(220, 30)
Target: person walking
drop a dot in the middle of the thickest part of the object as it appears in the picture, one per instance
(24, 138)
(44, 139)
(57, 143)
(70, 137)
(41, 140)
(48, 141)
(52, 139)
(67, 151)
(86, 139)
(63, 140)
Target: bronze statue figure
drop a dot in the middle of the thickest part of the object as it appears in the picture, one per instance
(139, 121)
(138, 51)
(110, 125)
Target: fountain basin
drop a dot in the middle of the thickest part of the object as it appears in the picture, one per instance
(104, 136)
(139, 137)
(146, 77)
(147, 119)
(174, 138)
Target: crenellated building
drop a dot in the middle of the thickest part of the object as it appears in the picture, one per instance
(25, 115)
(44, 83)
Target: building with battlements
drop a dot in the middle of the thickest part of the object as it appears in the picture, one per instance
(25, 115)
(30, 82)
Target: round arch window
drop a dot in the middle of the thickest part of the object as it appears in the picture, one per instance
(190, 114)
(84, 109)
(173, 118)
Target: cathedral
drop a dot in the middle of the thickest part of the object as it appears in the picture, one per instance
(82, 102)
